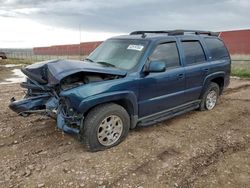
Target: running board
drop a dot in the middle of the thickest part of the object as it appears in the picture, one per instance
(167, 114)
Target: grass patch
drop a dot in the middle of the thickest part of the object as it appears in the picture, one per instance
(238, 57)
(240, 66)
(16, 61)
(240, 72)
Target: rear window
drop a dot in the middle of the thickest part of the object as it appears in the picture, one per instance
(216, 48)
(193, 52)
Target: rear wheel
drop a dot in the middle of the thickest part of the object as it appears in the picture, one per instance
(210, 97)
(105, 126)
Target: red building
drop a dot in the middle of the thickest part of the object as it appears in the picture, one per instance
(238, 42)
(84, 48)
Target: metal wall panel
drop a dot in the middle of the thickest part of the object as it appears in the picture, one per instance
(238, 42)
(84, 48)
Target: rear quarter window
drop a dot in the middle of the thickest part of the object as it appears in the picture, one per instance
(216, 49)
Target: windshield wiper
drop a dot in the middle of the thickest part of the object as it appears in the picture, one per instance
(106, 63)
(100, 62)
(87, 59)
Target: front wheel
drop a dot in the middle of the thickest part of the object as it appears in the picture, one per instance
(105, 126)
(210, 97)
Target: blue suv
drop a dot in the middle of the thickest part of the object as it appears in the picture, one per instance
(128, 81)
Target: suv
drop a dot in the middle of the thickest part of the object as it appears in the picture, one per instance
(128, 81)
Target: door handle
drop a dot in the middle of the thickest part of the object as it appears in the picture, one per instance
(205, 70)
(180, 76)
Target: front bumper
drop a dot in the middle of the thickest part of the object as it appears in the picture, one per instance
(29, 105)
(67, 119)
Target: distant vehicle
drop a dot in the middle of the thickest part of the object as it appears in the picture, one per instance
(3, 55)
(128, 81)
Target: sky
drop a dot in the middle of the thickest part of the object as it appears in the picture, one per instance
(32, 23)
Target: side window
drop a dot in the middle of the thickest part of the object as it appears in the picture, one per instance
(216, 48)
(168, 53)
(193, 52)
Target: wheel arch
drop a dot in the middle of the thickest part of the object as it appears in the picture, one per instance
(217, 78)
(127, 100)
(220, 81)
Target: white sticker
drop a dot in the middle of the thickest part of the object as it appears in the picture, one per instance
(135, 47)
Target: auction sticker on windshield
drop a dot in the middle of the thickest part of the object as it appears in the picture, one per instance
(135, 47)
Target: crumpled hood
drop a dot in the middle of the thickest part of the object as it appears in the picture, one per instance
(54, 71)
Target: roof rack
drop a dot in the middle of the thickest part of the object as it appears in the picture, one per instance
(176, 32)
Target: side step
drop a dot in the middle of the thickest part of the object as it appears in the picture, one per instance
(167, 114)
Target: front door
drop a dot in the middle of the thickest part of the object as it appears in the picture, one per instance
(164, 90)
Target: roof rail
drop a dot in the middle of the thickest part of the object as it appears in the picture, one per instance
(177, 32)
(143, 32)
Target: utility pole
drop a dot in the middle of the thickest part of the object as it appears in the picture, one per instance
(80, 36)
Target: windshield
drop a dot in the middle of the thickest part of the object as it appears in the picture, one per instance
(122, 54)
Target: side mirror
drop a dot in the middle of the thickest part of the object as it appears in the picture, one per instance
(156, 66)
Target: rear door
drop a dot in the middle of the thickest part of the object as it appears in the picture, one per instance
(164, 90)
(197, 67)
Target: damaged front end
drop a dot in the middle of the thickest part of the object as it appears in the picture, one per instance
(38, 99)
(68, 119)
(44, 100)
(46, 80)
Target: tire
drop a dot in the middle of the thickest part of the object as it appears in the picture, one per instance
(99, 133)
(210, 97)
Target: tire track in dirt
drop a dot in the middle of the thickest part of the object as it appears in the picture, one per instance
(197, 163)
(190, 168)
(200, 163)
(236, 89)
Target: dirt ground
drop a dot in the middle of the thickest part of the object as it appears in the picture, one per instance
(198, 149)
